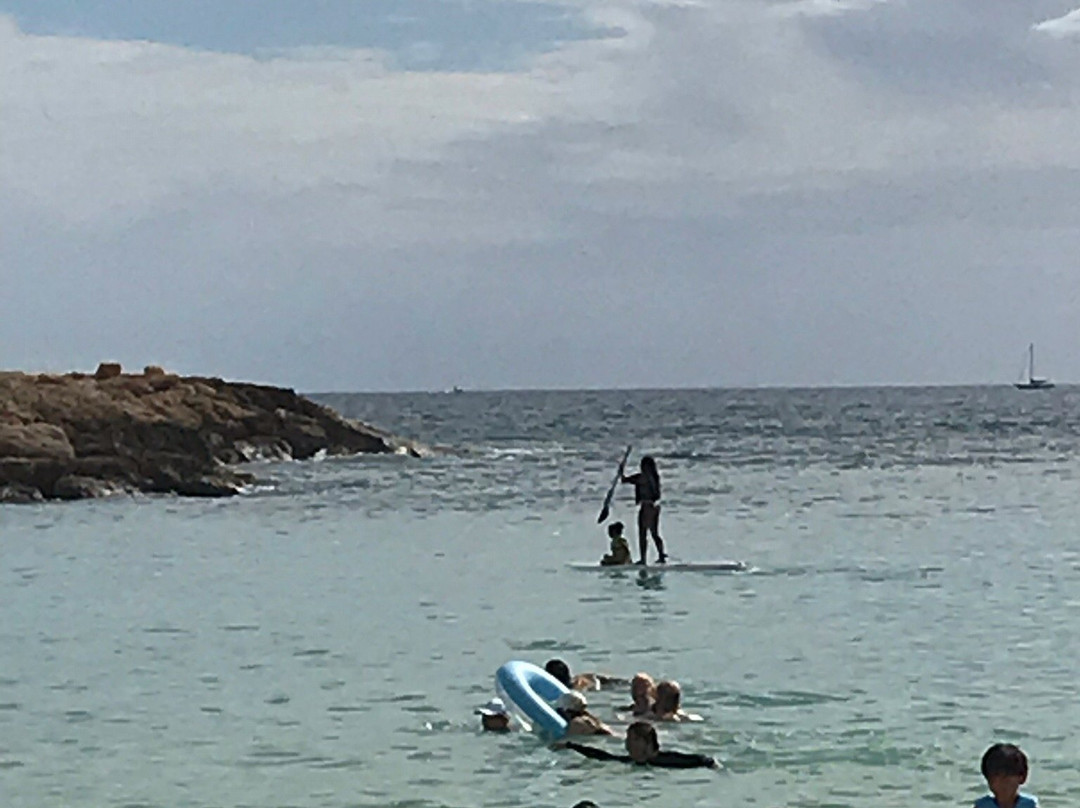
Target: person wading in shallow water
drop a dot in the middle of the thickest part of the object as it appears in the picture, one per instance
(647, 496)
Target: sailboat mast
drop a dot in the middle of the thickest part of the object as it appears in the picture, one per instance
(1031, 361)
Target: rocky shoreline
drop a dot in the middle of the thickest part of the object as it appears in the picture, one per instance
(76, 435)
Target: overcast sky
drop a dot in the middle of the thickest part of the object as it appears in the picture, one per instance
(415, 194)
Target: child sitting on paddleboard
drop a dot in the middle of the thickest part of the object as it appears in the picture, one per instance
(620, 547)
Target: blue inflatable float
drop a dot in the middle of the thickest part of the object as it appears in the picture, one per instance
(530, 691)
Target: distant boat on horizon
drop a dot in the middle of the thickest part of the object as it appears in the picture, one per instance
(1032, 382)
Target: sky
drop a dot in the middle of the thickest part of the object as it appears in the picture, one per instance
(359, 195)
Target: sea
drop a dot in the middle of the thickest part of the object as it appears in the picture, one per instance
(326, 638)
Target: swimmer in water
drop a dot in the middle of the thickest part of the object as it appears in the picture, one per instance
(643, 694)
(643, 749)
(574, 709)
(494, 717)
(583, 681)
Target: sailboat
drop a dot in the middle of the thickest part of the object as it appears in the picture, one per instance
(1032, 382)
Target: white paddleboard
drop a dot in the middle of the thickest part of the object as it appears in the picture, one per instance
(671, 566)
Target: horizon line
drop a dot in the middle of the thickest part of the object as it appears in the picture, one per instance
(692, 388)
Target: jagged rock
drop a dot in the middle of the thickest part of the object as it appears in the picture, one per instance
(76, 435)
(262, 448)
(34, 440)
(19, 494)
(74, 486)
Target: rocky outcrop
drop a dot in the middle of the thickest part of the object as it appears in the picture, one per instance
(76, 435)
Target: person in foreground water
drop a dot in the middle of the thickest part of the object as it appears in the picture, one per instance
(1005, 768)
(643, 749)
(620, 548)
(647, 496)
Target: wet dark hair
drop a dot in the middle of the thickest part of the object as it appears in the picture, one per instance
(668, 690)
(648, 468)
(1004, 758)
(645, 730)
(559, 669)
(615, 529)
(586, 804)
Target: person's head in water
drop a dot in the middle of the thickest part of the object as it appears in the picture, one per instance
(668, 698)
(642, 743)
(615, 530)
(1005, 768)
(642, 692)
(494, 717)
(586, 804)
(571, 704)
(559, 669)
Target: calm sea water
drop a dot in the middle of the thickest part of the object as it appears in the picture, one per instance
(324, 640)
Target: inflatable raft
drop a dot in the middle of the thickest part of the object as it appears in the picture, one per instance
(529, 691)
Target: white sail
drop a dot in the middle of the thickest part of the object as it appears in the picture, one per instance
(1032, 382)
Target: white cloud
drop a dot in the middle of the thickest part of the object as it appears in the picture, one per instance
(110, 131)
(738, 174)
(825, 8)
(1065, 26)
(99, 130)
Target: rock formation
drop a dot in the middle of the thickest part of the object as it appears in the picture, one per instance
(80, 435)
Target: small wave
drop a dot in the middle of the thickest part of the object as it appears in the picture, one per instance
(277, 758)
(547, 645)
(780, 698)
(344, 763)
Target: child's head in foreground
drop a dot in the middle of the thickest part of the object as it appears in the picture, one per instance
(1005, 768)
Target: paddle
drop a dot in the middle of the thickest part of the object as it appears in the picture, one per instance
(611, 491)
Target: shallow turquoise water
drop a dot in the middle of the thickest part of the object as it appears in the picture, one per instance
(324, 640)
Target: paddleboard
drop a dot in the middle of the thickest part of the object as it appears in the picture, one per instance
(671, 566)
